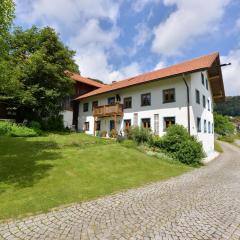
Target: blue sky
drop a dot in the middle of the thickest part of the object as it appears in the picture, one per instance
(117, 39)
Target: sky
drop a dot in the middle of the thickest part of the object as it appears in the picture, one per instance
(118, 39)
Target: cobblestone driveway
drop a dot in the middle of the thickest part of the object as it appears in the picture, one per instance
(202, 204)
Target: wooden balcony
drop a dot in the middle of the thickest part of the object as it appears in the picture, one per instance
(108, 110)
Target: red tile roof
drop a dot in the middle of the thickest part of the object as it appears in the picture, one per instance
(196, 64)
(79, 78)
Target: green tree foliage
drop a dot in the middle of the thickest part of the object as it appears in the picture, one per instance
(39, 60)
(7, 8)
(230, 107)
(222, 125)
(8, 84)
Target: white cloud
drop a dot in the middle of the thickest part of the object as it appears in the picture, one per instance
(80, 21)
(66, 11)
(191, 19)
(143, 35)
(238, 24)
(138, 5)
(231, 74)
(160, 65)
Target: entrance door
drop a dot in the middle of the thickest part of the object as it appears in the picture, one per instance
(111, 125)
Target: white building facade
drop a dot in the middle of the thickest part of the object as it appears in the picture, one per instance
(180, 94)
(157, 105)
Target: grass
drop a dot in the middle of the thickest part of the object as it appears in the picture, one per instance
(40, 173)
(218, 147)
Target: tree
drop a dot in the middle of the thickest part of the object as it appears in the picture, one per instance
(7, 85)
(7, 8)
(230, 107)
(39, 60)
(222, 125)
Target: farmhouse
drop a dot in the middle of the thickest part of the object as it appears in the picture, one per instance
(180, 94)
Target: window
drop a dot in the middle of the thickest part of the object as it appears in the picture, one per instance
(85, 107)
(146, 99)
(168, 121)
(156, 124)
(98, 125)
(204, 101)
(205, 126)
(199, 124)
(111, 100)
(208, 103)
(127, 102)
(169, 95)
(212, 128)
(202, 76)
(127, 123)
(197, 96)
(146, 122)
(94, 104)
(86, 126)
(206, 83)
(135, 119)
(209, 127)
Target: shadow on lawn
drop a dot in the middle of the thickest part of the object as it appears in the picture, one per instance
(24, 162)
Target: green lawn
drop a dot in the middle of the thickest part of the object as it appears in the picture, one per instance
(40, 173)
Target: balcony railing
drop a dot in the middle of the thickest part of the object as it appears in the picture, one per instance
(108, 110)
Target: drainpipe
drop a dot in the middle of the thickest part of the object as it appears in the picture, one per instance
(188, 104)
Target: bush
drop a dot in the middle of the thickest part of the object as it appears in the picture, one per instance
(113, 133)
(103, 133)
(35, 125)
(156, 141)
(183, 147)
(53, 124)
(12, 129)
(140, 135)
(189, 152)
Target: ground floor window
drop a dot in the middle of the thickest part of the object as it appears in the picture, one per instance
(98, 125)
(86, 126)
(209, 127)
(127, 123)
(199, 124)
(146, 122)
(212, 128)
(168, 121)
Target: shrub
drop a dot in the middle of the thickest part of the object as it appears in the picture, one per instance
(103, 133)
(156, 141)
(113, 133)
(183, 147)
(189, 152)
(140, 135)
(12, 129)
(54, 123)
(35, 125)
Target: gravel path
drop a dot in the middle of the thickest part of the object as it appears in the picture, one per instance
(202, 204)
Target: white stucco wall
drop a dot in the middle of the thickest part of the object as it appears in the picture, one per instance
(198, 110)
(67, 118)
(177, 109)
